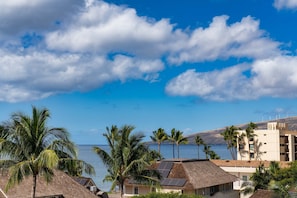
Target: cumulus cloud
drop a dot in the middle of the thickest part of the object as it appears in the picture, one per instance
(219, 85)
(108, 28)
(76, 45)
(104, 28)
(19, 16)
(41, 74)
(285, 4)
(274, 77)
(220, 40)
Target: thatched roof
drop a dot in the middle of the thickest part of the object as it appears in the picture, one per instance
(196, 174)
(204, 173)
(62, 184)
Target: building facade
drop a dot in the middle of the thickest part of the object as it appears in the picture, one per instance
(275, 143)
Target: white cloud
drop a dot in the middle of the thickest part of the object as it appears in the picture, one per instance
(276, 77)
(105, 28)
(40, 74)
(21, 16)
(85, 44)
(220, 40)
(285, 4)
(217, 85)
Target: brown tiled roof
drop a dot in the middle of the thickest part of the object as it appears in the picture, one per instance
(244, 163)
(62, 184)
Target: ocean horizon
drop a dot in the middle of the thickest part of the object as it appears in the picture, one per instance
(187, 151)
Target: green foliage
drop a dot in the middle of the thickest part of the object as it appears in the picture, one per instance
(129, 158)
(230, 136)
(280, 180)
(209, 154)
(177, 138)
(167, 195)
(199, 141)
(29, 148)
(159, 136)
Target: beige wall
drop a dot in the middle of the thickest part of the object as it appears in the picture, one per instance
(266, 146)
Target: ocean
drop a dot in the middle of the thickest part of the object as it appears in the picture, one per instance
(186, 151)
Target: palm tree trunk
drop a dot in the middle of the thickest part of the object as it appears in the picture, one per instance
(122, 189)
(177, 146)
(173, 156)
(198, 153)
(159, 148)
(34, 185)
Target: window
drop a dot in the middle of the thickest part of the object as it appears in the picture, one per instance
(136, 190)
(214, 189)
(252, 155)
(244, 178)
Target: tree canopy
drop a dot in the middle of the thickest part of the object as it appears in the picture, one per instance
(128, 158)
(28, 147)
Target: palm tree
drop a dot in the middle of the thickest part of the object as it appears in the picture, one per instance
(230, 136)
(207, 150)
(199, 141)
(250, 136)
(32, 148)
(260, 180)
(128, 158)
(159, 136)
(241, 145)
(177, 138)
(214, 155)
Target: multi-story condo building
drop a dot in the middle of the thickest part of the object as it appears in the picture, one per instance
(275, 143)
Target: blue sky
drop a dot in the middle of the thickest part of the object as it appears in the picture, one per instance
(193, 66)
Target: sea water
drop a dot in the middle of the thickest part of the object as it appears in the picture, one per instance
(187, 151)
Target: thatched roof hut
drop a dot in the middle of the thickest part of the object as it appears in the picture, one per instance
(62, 186)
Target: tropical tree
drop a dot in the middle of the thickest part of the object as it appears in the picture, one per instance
(250, 134)
(177, 138)
(128, 158)
(230, 136)
(213, 155)
(199, 141)
(241, 144)
(260, 180)
(31, 148)
(209, 153)
(207, 150)
(159, 136)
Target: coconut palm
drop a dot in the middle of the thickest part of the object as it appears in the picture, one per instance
(159, 136)
(30, 148)
(177, 138)
(206, 150)
(199, 141)
(230, 136)
(241, 145)
(250, 134)
(128, 158)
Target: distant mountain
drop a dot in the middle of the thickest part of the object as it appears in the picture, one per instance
(215, 137)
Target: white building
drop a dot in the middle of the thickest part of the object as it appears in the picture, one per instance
(276, 143)
(243, 170)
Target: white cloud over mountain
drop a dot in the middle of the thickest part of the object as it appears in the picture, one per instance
(84, 45)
